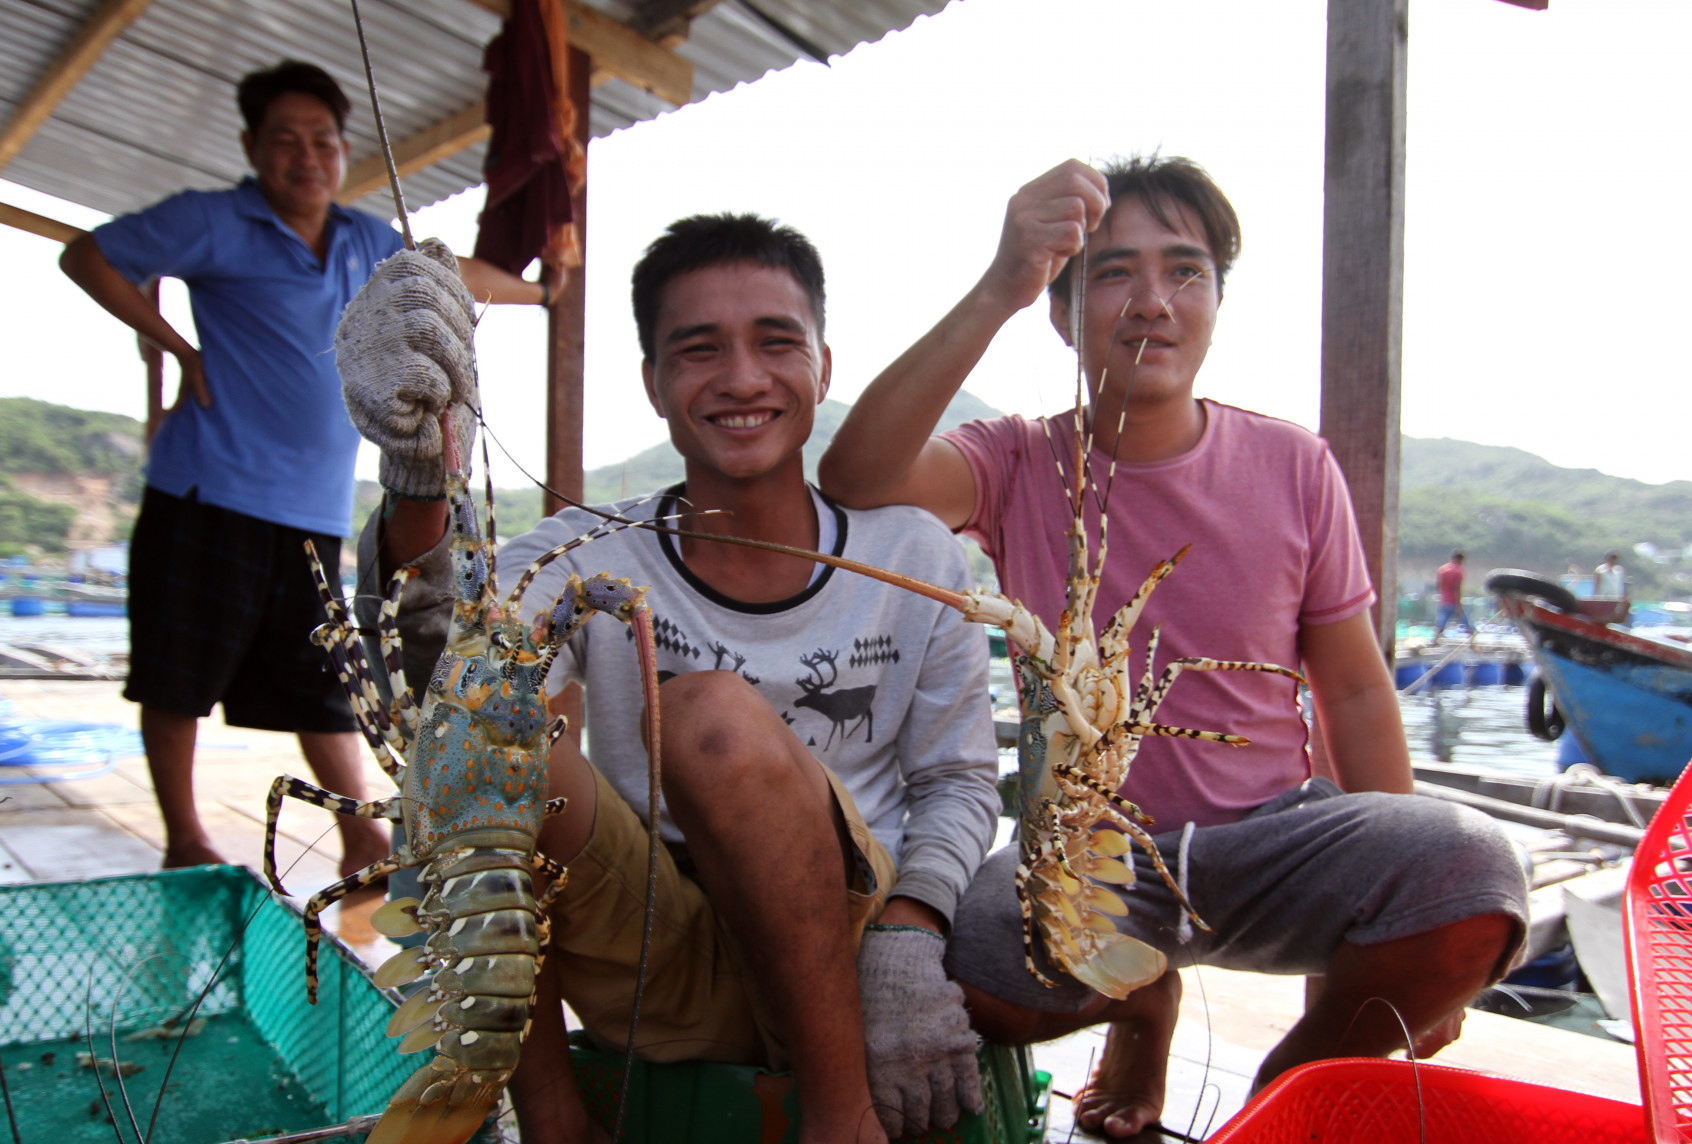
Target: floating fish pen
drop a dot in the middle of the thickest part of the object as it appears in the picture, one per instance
(100, 980)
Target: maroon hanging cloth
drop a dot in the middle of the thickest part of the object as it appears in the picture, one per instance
(532, 152)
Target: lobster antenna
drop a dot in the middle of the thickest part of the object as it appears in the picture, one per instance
(1077, 326)
(382, 131)
(11, 1117)
(492, 547)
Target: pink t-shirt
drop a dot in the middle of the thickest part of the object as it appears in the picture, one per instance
(1274, 547)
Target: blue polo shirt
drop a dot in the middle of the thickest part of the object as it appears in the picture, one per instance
(276, 443)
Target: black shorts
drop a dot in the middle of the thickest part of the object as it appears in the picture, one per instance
(221, 610)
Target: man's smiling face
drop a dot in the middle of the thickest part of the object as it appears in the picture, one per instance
(738, 368)
(1151, 304)
(298, 154)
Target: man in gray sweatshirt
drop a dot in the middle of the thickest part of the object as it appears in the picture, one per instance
(828, 759)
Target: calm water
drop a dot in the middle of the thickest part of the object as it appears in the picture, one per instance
(1480, 726)
(98, 635)
(1476, 726)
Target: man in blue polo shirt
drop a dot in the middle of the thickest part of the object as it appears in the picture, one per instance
(256, 455)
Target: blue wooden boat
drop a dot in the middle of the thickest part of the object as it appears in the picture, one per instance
(1625, 697)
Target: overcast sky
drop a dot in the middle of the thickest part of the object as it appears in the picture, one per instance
(1548, 173)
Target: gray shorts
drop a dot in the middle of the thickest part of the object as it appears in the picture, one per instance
(1282, 887)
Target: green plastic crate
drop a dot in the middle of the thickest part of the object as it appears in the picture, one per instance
(143, 948)
(699, 1103)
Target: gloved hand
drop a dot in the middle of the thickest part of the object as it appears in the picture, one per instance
(404, 351)
(921, 1050)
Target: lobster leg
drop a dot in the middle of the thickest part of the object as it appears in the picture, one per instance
(405, 708)
(289, 787)
(559, 876)
(340, 640)
(556, 728)
(327, 897)
(1198, 663)
(1022, 900)
(1126, 814)
(372, 721)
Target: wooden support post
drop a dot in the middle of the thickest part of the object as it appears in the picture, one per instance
(153, 356)
(1363, 274)
(566, 364)
(566, 330)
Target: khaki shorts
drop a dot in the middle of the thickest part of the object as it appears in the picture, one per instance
(700, 1003)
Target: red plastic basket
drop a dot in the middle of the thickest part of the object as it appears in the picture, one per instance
(1657, 926)
(1364, 1099)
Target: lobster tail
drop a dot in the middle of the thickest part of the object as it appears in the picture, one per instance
(440, 1103)
(484, 946)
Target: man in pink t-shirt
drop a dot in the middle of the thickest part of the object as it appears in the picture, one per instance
(1388, 895)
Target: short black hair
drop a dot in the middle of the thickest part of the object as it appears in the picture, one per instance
(1157, 183)
(258, 90)
(701, 241)
(1456, 554)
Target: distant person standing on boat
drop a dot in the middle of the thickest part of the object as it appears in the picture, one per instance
(1450, 579)
(256, 455)
(1609, 579)
(1391, 897)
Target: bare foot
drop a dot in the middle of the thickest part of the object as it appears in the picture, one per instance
(1124, 1096)
(191, 854)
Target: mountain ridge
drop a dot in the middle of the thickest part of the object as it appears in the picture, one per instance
(73, 477)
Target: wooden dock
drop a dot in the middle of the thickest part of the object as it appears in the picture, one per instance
(98, 827)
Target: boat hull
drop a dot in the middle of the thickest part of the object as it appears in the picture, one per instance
(1627, 700)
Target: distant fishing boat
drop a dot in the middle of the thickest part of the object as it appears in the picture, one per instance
(1625, 696)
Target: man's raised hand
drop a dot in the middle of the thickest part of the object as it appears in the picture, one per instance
(404, 350)
(1046, 224)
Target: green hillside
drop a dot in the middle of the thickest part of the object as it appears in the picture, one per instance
(39, 437)
(54, 449)
(1506, 507)
(63, 468)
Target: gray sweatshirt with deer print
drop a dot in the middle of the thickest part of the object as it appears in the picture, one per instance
(885, 687)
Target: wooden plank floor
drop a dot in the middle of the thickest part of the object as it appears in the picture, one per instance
(108, 825)
(98, 827)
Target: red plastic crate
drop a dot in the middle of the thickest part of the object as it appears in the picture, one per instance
(1657, 927)
(1364, 1099)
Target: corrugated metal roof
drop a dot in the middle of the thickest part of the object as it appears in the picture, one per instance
(157, 113)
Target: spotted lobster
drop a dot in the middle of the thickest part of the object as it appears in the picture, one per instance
(472, 799)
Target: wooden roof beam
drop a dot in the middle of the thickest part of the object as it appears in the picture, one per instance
(82, 53)
(618, 51)
(429, 146)
(34, 223)
(666, 21)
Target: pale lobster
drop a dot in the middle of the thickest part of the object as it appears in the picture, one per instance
(472, 798)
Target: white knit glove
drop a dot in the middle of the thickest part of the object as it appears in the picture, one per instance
(404, 351)
(921, 1050)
